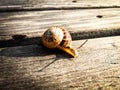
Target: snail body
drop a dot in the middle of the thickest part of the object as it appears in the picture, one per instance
(58, 37)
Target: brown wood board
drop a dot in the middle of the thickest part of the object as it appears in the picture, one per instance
(34, 67)
(25, 65)
(82, 24)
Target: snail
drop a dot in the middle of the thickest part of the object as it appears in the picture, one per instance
(59, 37)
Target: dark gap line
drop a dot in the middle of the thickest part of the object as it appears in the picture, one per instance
(20, 42)
(94, 34)
(75, 36)
(52, 8)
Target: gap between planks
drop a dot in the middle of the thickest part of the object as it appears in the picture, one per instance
(21, 41)
(23, 9)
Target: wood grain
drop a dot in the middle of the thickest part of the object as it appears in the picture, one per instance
(33, 24)
(29, 5)
(35, 67)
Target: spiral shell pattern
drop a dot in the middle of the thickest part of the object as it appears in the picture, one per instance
(59, 37)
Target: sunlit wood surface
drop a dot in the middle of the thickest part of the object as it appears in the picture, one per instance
(25, 65)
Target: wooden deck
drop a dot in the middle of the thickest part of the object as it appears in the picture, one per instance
(25, 65)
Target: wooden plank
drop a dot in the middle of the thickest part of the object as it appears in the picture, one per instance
(32, 24)
(15, 5)
(97, 67)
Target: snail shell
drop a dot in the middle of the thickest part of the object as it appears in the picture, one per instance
(58, 37)
(52, 37)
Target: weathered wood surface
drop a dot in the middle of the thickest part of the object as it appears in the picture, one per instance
(36, 68)
(33, 67)
(84, 21)
(13, 5)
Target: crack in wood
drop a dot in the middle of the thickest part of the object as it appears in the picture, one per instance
(18, 9)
